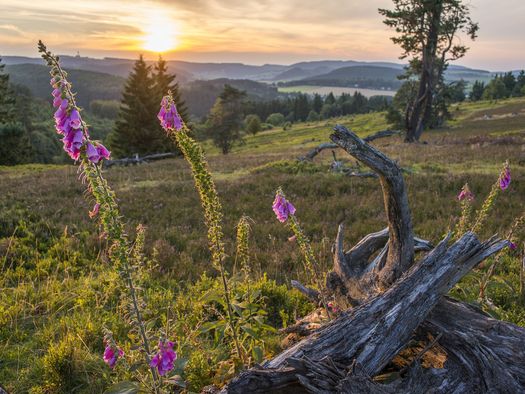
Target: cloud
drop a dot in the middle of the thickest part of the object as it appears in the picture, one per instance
(243, 30)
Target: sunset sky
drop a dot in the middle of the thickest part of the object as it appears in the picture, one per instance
(253, 32)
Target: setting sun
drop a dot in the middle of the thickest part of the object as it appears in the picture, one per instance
(161, 34)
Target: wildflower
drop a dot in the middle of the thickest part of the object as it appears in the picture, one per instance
(164, 359)
(111, 354)
(168, 116)
(465, 194)
(103, 151)
(332, 306)
(94, 211)
(293, 238)
(504, 178)
(92, 153)
(282, 208)
(512, 245)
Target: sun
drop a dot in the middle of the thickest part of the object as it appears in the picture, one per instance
(161, 34)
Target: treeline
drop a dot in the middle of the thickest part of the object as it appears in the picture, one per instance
(303, 107)
(501, 86)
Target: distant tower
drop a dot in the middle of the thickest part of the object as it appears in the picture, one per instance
(78, 54)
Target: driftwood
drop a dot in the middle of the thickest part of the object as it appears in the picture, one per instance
(138, 160)
(398, 300)
(331, 145)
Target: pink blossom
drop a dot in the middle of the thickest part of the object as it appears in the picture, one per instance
(168, 115)
(165, 358)
(94, 211)
(92, 153)
(504, 178)
(112, 354)
(465, 194)
(103, 151)
(282, 208)
(333, 307)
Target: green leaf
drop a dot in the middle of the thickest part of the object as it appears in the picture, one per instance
(249, 330)
(123, 388)
(257, 354)
(212, 296)
(208, 326)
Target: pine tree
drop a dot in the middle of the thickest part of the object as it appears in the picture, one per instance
(165, 82)
(137, 129)
(7, 100)
(225, 119)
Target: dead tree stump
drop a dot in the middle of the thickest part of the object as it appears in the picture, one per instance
(398, 300)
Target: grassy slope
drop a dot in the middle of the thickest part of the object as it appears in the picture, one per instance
(57, 288)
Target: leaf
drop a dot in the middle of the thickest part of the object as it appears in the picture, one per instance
(257, 354)
(212, 296)
(208, 326)
(125, 387)
(249, 330)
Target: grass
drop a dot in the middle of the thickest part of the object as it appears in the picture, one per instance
(57, 291)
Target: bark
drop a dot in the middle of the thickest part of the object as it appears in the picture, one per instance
(425, 91)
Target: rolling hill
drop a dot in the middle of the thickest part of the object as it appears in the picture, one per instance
(188, 71)
(374, 77)
(93, 85)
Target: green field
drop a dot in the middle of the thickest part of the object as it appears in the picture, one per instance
(336, 90)
(57, 289)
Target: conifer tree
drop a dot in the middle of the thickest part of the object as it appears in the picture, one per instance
(7, 99)
(137, 129)
(225, 118)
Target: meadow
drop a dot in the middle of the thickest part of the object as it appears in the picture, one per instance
(337, 91)
(57, 290)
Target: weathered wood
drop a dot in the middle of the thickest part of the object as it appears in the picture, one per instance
(327, 145)
(374, 332)
(310, 293)
(401, 237)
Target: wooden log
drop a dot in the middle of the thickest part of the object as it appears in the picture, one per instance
(138, 160)
(375, 331)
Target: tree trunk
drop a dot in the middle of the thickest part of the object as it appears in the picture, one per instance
(468, 351)
(424, 97)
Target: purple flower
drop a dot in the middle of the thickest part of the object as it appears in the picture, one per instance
(112, 354)
(103, 151)
(512, 245)
(465, 194)
(504, 178)
(92, 153)
(282, 207)
(168, 116)
(94, 211)
(165, 357)
(332, 306)
(74, 119)
(73, 141)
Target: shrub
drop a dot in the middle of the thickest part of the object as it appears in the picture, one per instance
(275, 119)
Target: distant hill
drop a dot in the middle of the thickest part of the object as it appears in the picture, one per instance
(190, 71)
(371, 77)
(93, 85)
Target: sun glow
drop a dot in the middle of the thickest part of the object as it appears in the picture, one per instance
(161, 34)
